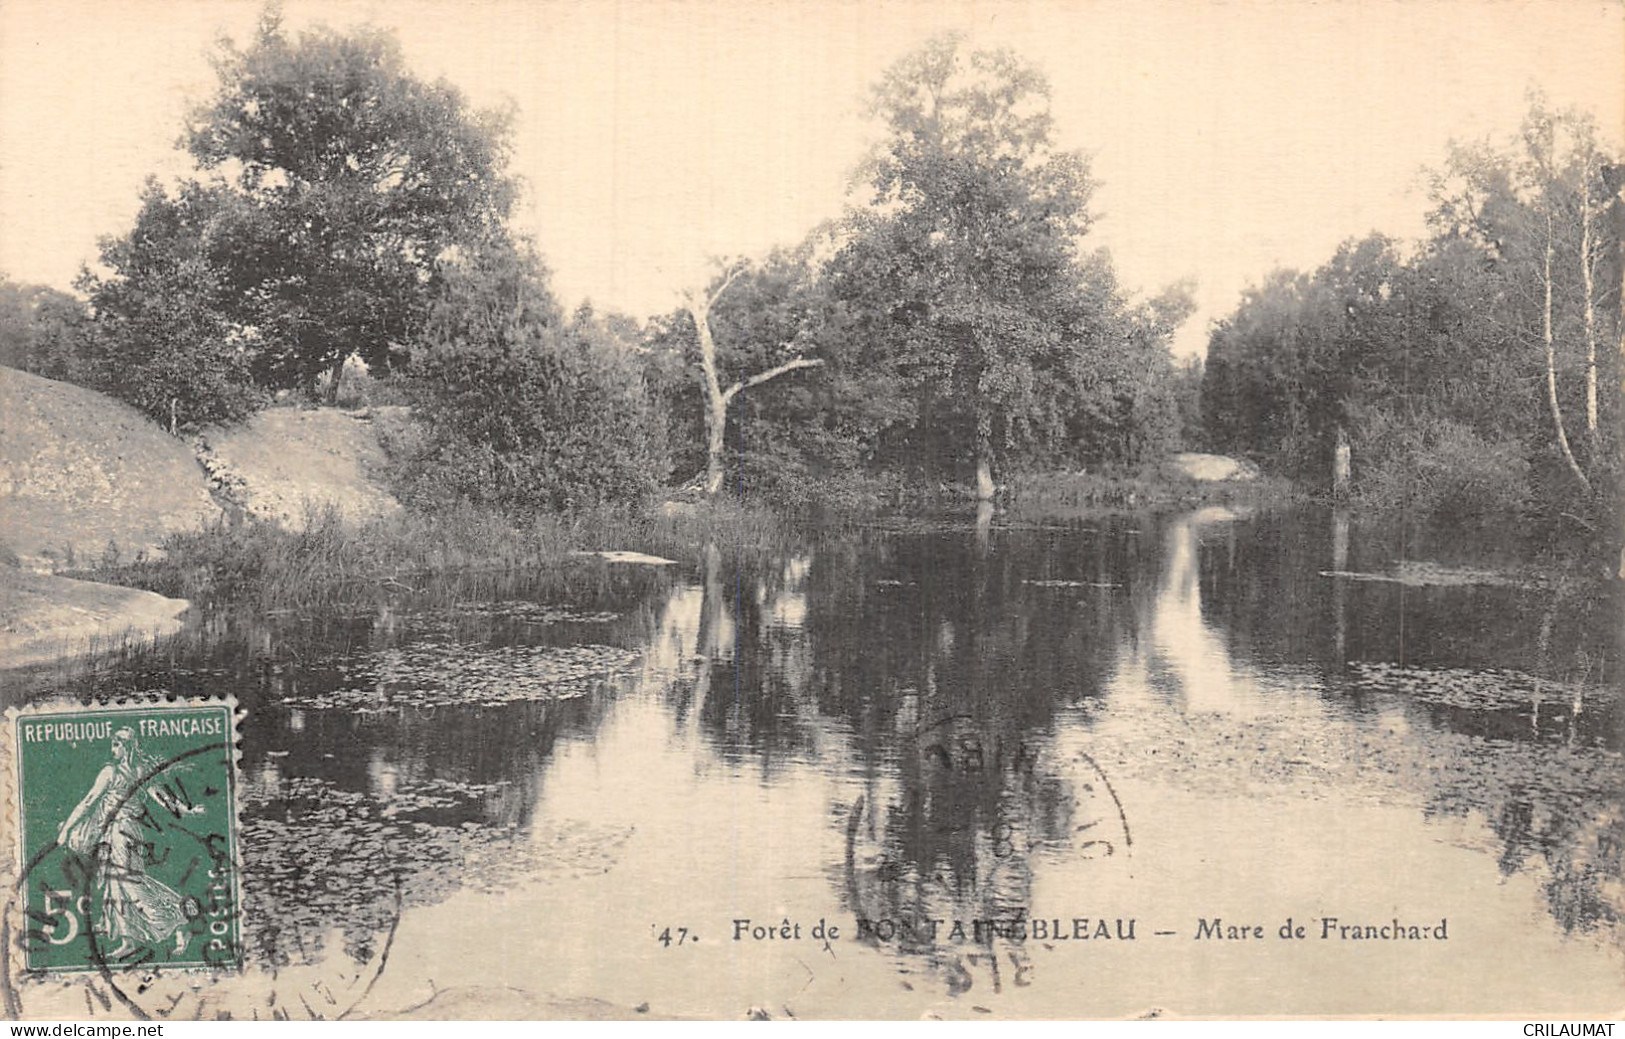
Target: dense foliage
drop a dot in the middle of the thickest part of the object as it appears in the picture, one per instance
(950, 325)
(521, 410)
(791, 437)
(333, 190)
(959, 324)
(161, 338)
(962, 278)
(345, 208)
(351, 183)
(1468, 373)
(40, 330)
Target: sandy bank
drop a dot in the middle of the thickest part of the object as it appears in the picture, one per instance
(84, 476)
(284, 462)
(45, 618)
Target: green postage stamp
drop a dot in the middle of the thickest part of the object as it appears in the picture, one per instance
(127, 836)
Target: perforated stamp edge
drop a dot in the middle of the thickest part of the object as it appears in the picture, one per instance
(13, 869)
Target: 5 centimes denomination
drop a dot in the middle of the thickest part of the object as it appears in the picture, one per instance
(127, 836)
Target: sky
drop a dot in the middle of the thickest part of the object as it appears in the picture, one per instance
(1230, 138)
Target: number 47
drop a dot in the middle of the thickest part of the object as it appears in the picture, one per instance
(665, 937)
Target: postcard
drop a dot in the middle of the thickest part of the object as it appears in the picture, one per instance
(729, 510)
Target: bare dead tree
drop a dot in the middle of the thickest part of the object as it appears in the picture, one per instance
(699, 304)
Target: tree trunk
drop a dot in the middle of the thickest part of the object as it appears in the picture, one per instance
(1551, 368)
(716, 427)
(1342, 470)
(336, 376)
(1590, 321)
(984, 460)
(716, 398)
(716, 405)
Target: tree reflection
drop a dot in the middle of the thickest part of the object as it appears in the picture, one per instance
(1494, 679)
(933, 668)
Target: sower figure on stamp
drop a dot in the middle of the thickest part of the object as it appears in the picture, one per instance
(106, 830)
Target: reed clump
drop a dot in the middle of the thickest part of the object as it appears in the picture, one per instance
(328, 559)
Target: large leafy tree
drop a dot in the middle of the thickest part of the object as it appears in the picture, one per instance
(335, 187)
(359, 180)
(963, 268)
(1287, 370)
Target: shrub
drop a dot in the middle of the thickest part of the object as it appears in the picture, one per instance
(42, 331)
(161, 339)
(553, 427)
(183, 383)
(522, 412)
(1433, 465)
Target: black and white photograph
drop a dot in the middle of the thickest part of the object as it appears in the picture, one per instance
(750, 510)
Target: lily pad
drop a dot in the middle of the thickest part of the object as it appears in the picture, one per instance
(530, 612)
(320, 857)
(1483, 689)
(438, 673)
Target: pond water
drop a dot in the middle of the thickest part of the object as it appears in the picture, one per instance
(1018, 770)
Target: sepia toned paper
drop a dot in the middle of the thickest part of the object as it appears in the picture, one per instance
(1195, 763)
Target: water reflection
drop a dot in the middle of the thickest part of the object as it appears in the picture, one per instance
(939, 737)
(1186, 659)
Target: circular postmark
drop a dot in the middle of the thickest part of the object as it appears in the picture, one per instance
(129, 876)
(126, 823)
(941, 858)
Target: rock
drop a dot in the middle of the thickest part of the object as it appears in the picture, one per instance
(45, 618)
(620, 556)
(1213, 468)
